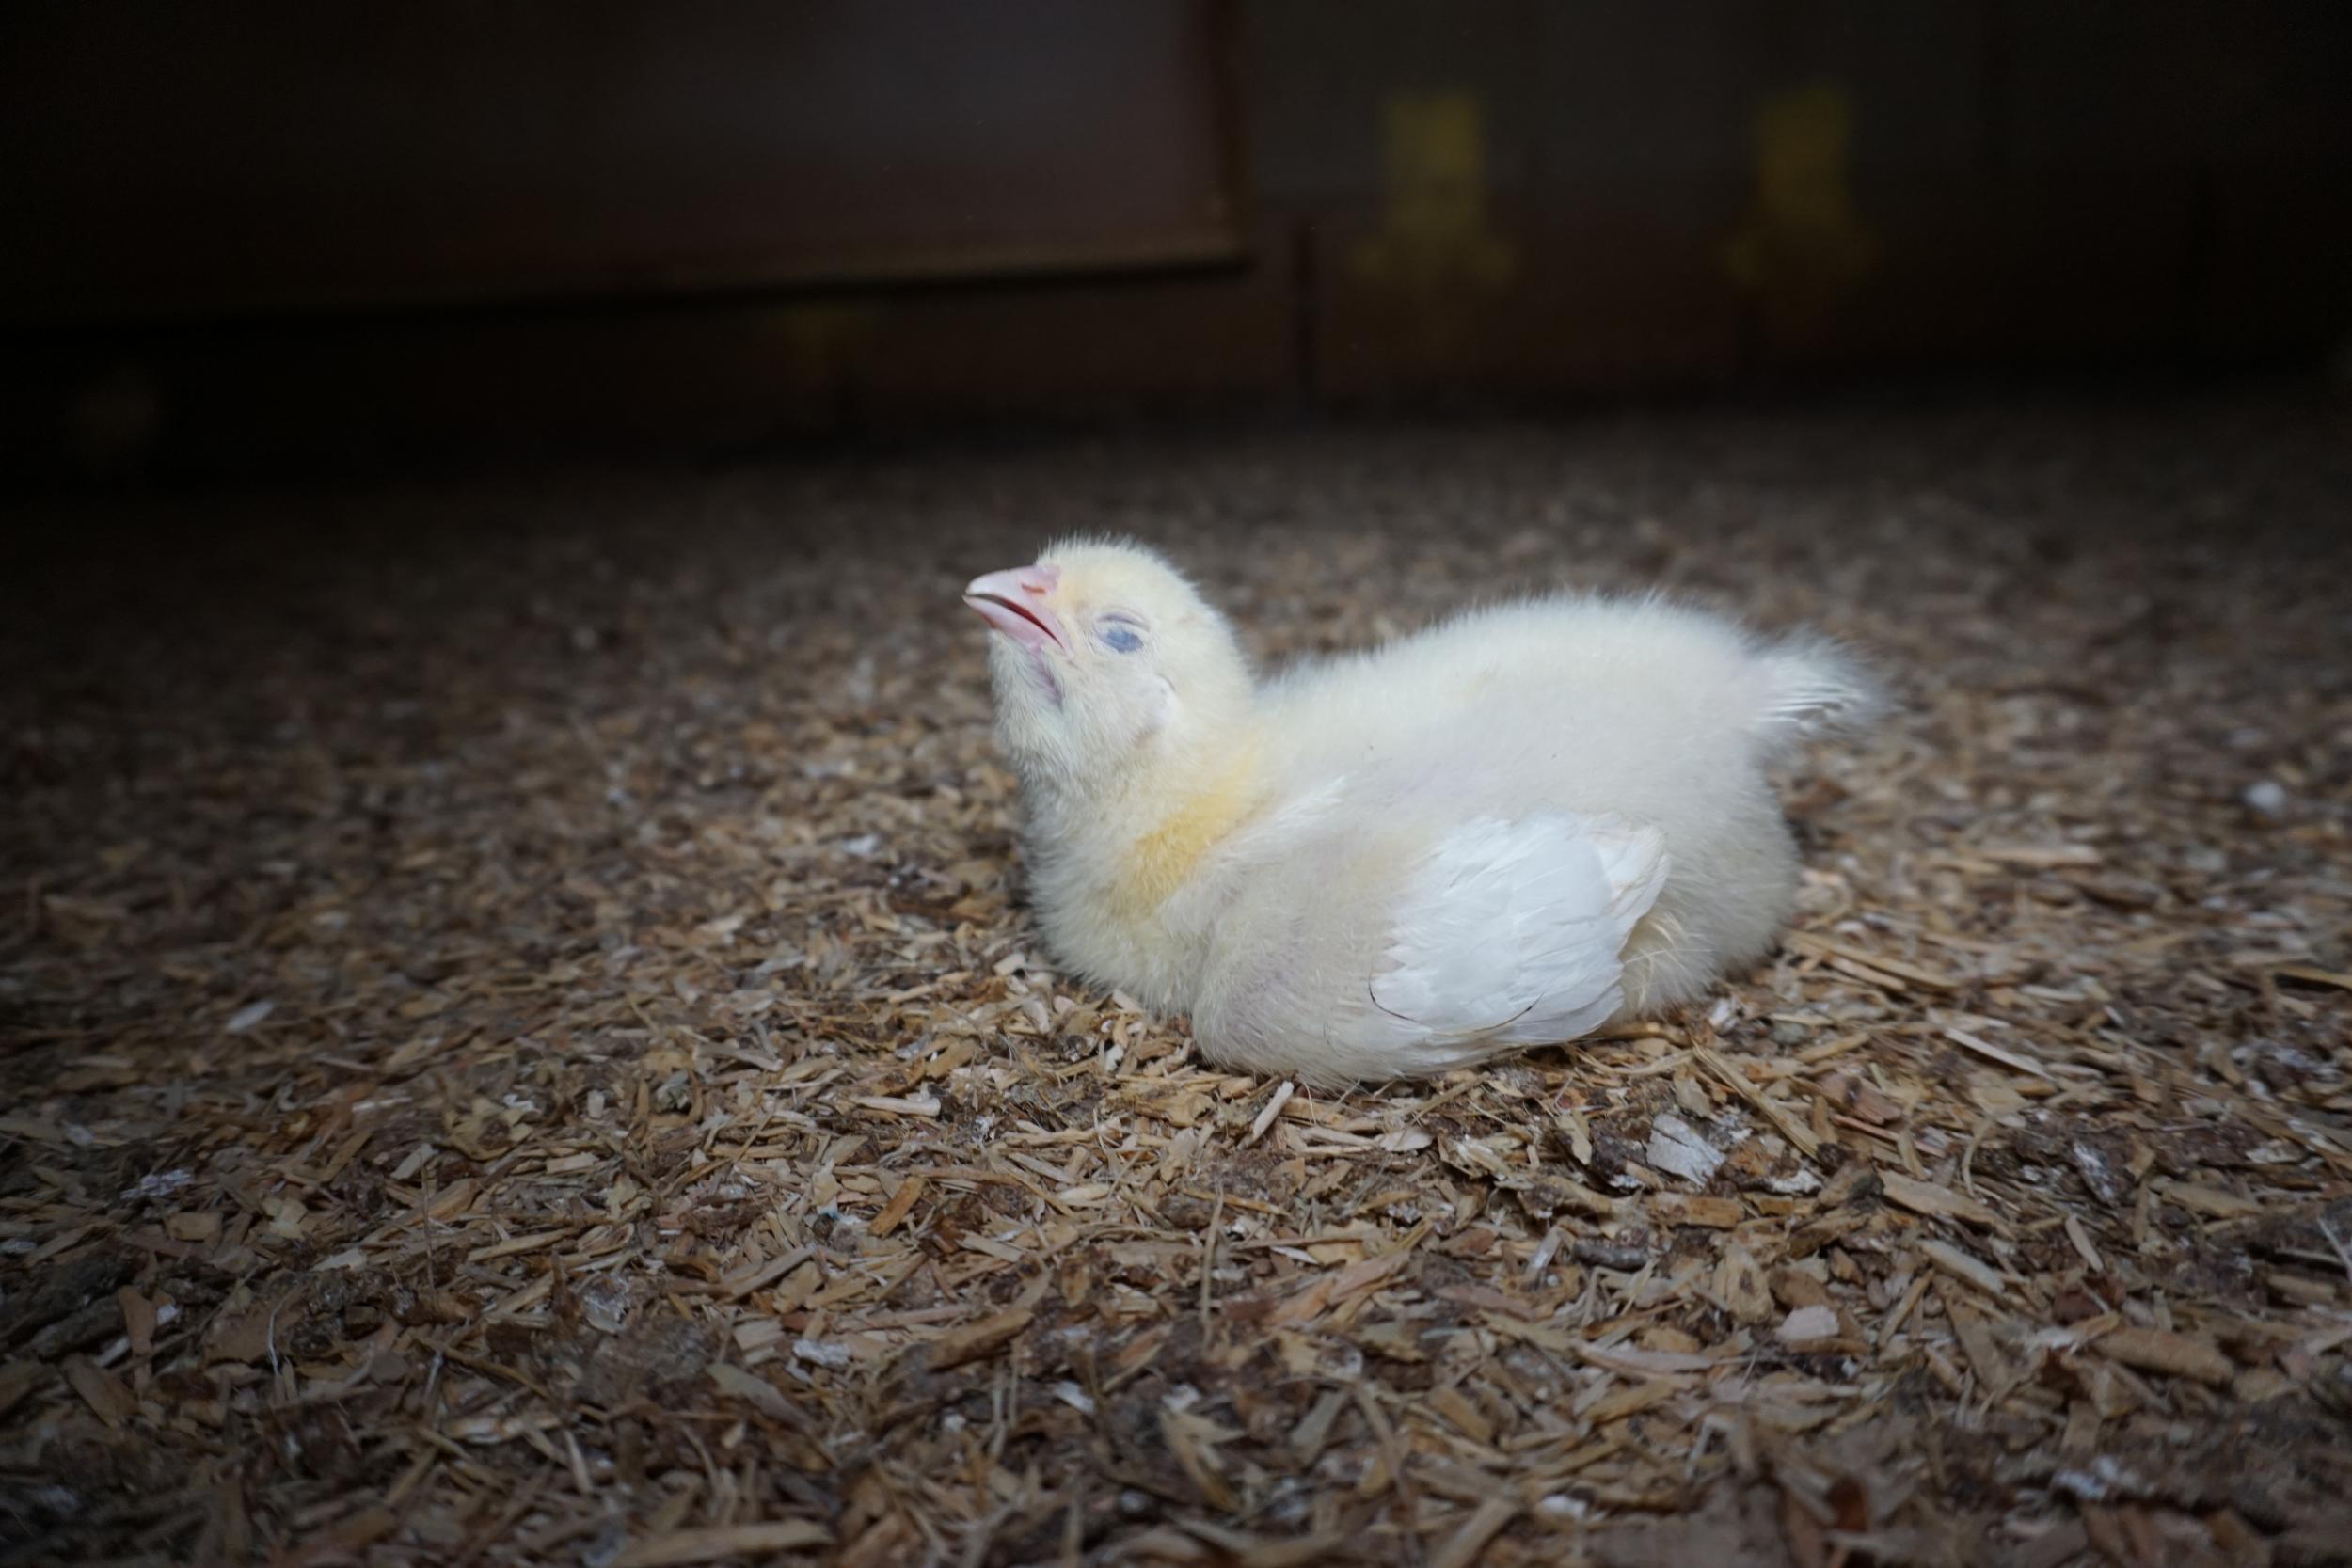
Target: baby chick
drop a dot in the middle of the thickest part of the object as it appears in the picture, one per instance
(1505, 831)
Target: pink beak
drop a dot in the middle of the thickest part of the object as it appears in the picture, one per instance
(1014, 603)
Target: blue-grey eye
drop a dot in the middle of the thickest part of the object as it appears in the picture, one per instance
(1122, 638)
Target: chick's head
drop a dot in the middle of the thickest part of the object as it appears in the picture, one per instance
(1105, 660)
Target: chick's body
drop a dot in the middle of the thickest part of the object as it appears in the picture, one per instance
(1506, 831)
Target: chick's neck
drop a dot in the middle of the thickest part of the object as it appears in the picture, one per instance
(1158, 822)
(1181, 828)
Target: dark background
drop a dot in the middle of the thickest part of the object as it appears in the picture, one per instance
(271, 235)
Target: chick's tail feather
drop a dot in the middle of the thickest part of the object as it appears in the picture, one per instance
(1808, 688)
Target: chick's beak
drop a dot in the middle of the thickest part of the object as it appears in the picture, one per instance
(1015, 604)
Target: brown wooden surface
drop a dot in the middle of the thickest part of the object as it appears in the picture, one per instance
(167, 158)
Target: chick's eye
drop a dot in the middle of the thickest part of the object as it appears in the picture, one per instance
(1120, 637)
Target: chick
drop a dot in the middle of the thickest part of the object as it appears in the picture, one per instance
(1506, 831)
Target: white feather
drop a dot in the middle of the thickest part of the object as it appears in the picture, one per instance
(1509, 934)
(1808, 688)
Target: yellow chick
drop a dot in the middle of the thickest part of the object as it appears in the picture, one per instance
(1506, 831)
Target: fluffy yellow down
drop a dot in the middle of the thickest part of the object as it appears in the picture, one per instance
(1161, 859)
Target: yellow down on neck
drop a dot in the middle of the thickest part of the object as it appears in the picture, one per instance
(1159, 861)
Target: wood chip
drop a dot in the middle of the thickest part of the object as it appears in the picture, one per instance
(1471, 1537)
(901, 1204)
(762, 1275)
(1714, 1213)
(1807, 1325)
(719, 1543)
(1340, 1286)
(2153, 1350)
(1961, 1265)
(900, 1105)
(1784, 1118)
(1273, 1108)
(973, 1340)
(1677, 1148)
(1993, 1052)
(2040, 857)
(758, 1392)
(1996, 1372)
(1739, 1285)
(1943, 1203)
(104, 1392)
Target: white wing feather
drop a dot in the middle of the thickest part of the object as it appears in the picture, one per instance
(1509, 933)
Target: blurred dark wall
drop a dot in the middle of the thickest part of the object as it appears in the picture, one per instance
(262, 233)
(274, 155)
(1710, 188)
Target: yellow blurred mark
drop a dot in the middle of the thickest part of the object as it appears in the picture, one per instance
(1435, 237)
(1804, 244)
(1163, 858)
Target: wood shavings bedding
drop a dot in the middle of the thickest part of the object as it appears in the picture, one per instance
(522, 1045)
